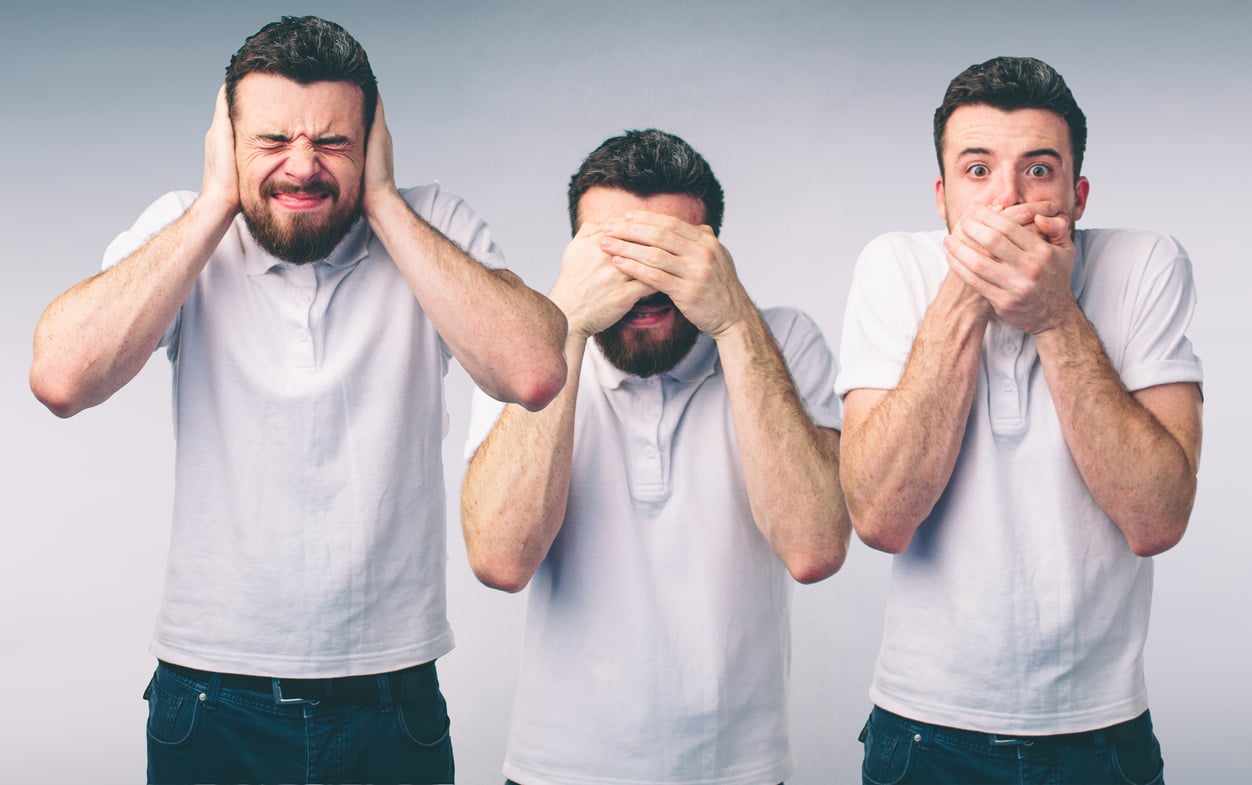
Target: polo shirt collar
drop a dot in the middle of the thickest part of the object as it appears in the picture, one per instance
(698, 364)
(351, 249)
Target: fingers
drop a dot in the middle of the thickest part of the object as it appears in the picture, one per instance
(657, 230)
(379, 181)
(1056, 229)
(1002, 237)
(660, 242)
(1024, 214)
(222, 107)
(586, 229)
(653, 275)
(220, 181)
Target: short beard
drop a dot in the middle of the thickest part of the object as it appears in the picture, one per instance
(300, 239)
(640, 352)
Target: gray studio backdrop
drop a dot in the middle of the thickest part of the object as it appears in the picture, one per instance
(816, 117)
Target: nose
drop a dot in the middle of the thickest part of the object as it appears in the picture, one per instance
(302, 164)
(1007, 190)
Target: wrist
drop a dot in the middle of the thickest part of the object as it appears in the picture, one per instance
(377, 202)
(1069, 323)
(216, 206)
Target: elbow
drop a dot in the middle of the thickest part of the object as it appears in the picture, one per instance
(495, 574)
(50, 389)
(820, 557)
(541, 384)
(1157, 541)
(818, 567)
(877, 528)
(1153, 529)
(880, 535)
(493, 565)
(543, 376)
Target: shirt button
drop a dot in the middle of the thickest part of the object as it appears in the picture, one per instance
(1008, 385)
(649, 451)
(1008, 348)
(303, 335)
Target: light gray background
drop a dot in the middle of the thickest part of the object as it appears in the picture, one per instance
(816, 117)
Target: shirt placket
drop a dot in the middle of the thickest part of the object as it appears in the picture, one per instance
(1010, 358)
(648, 453)
(297, 313)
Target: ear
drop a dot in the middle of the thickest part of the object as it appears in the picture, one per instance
(941, 206)
(1081, 189)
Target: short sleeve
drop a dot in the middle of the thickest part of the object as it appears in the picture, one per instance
(457, 221)
(896, 277)
(156, 217)
(1157, 348)
(812, 365)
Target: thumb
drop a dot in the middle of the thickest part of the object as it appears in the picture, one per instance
(1056, 228)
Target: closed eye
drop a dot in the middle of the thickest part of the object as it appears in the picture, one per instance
(333, 142)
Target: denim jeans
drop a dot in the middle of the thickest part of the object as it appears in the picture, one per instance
(201, 731)
(900, 751)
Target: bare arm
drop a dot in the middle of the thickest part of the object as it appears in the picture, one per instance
(790, 465)
(1137, 453)
(900, 445)
(95, 337)
(514, 494)
(508, 337)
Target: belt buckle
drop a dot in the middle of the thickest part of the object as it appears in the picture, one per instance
(278, 694)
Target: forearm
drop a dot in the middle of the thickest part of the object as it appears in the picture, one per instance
(508, 337)
(1140, 468)
(515, 490)
(790, 465)
(899, 446)
(95, 337)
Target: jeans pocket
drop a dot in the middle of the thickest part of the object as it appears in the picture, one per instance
(1136, 754)
(888, 753)
(171, 717)
(425, 723)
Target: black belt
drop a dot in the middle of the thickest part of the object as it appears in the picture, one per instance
(403, 685)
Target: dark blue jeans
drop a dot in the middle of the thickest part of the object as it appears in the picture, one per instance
(900, 751)
(202, 731)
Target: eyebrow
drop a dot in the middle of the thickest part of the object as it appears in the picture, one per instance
(1042, 152)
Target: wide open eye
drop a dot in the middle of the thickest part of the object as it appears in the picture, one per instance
(1039, 170)
(978, 170)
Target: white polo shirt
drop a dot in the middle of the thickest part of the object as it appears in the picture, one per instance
(1019, 607)
(657, 637)
(308, 536)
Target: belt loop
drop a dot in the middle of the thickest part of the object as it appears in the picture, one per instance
(209, 696)
(384, 689)
(926, 732)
